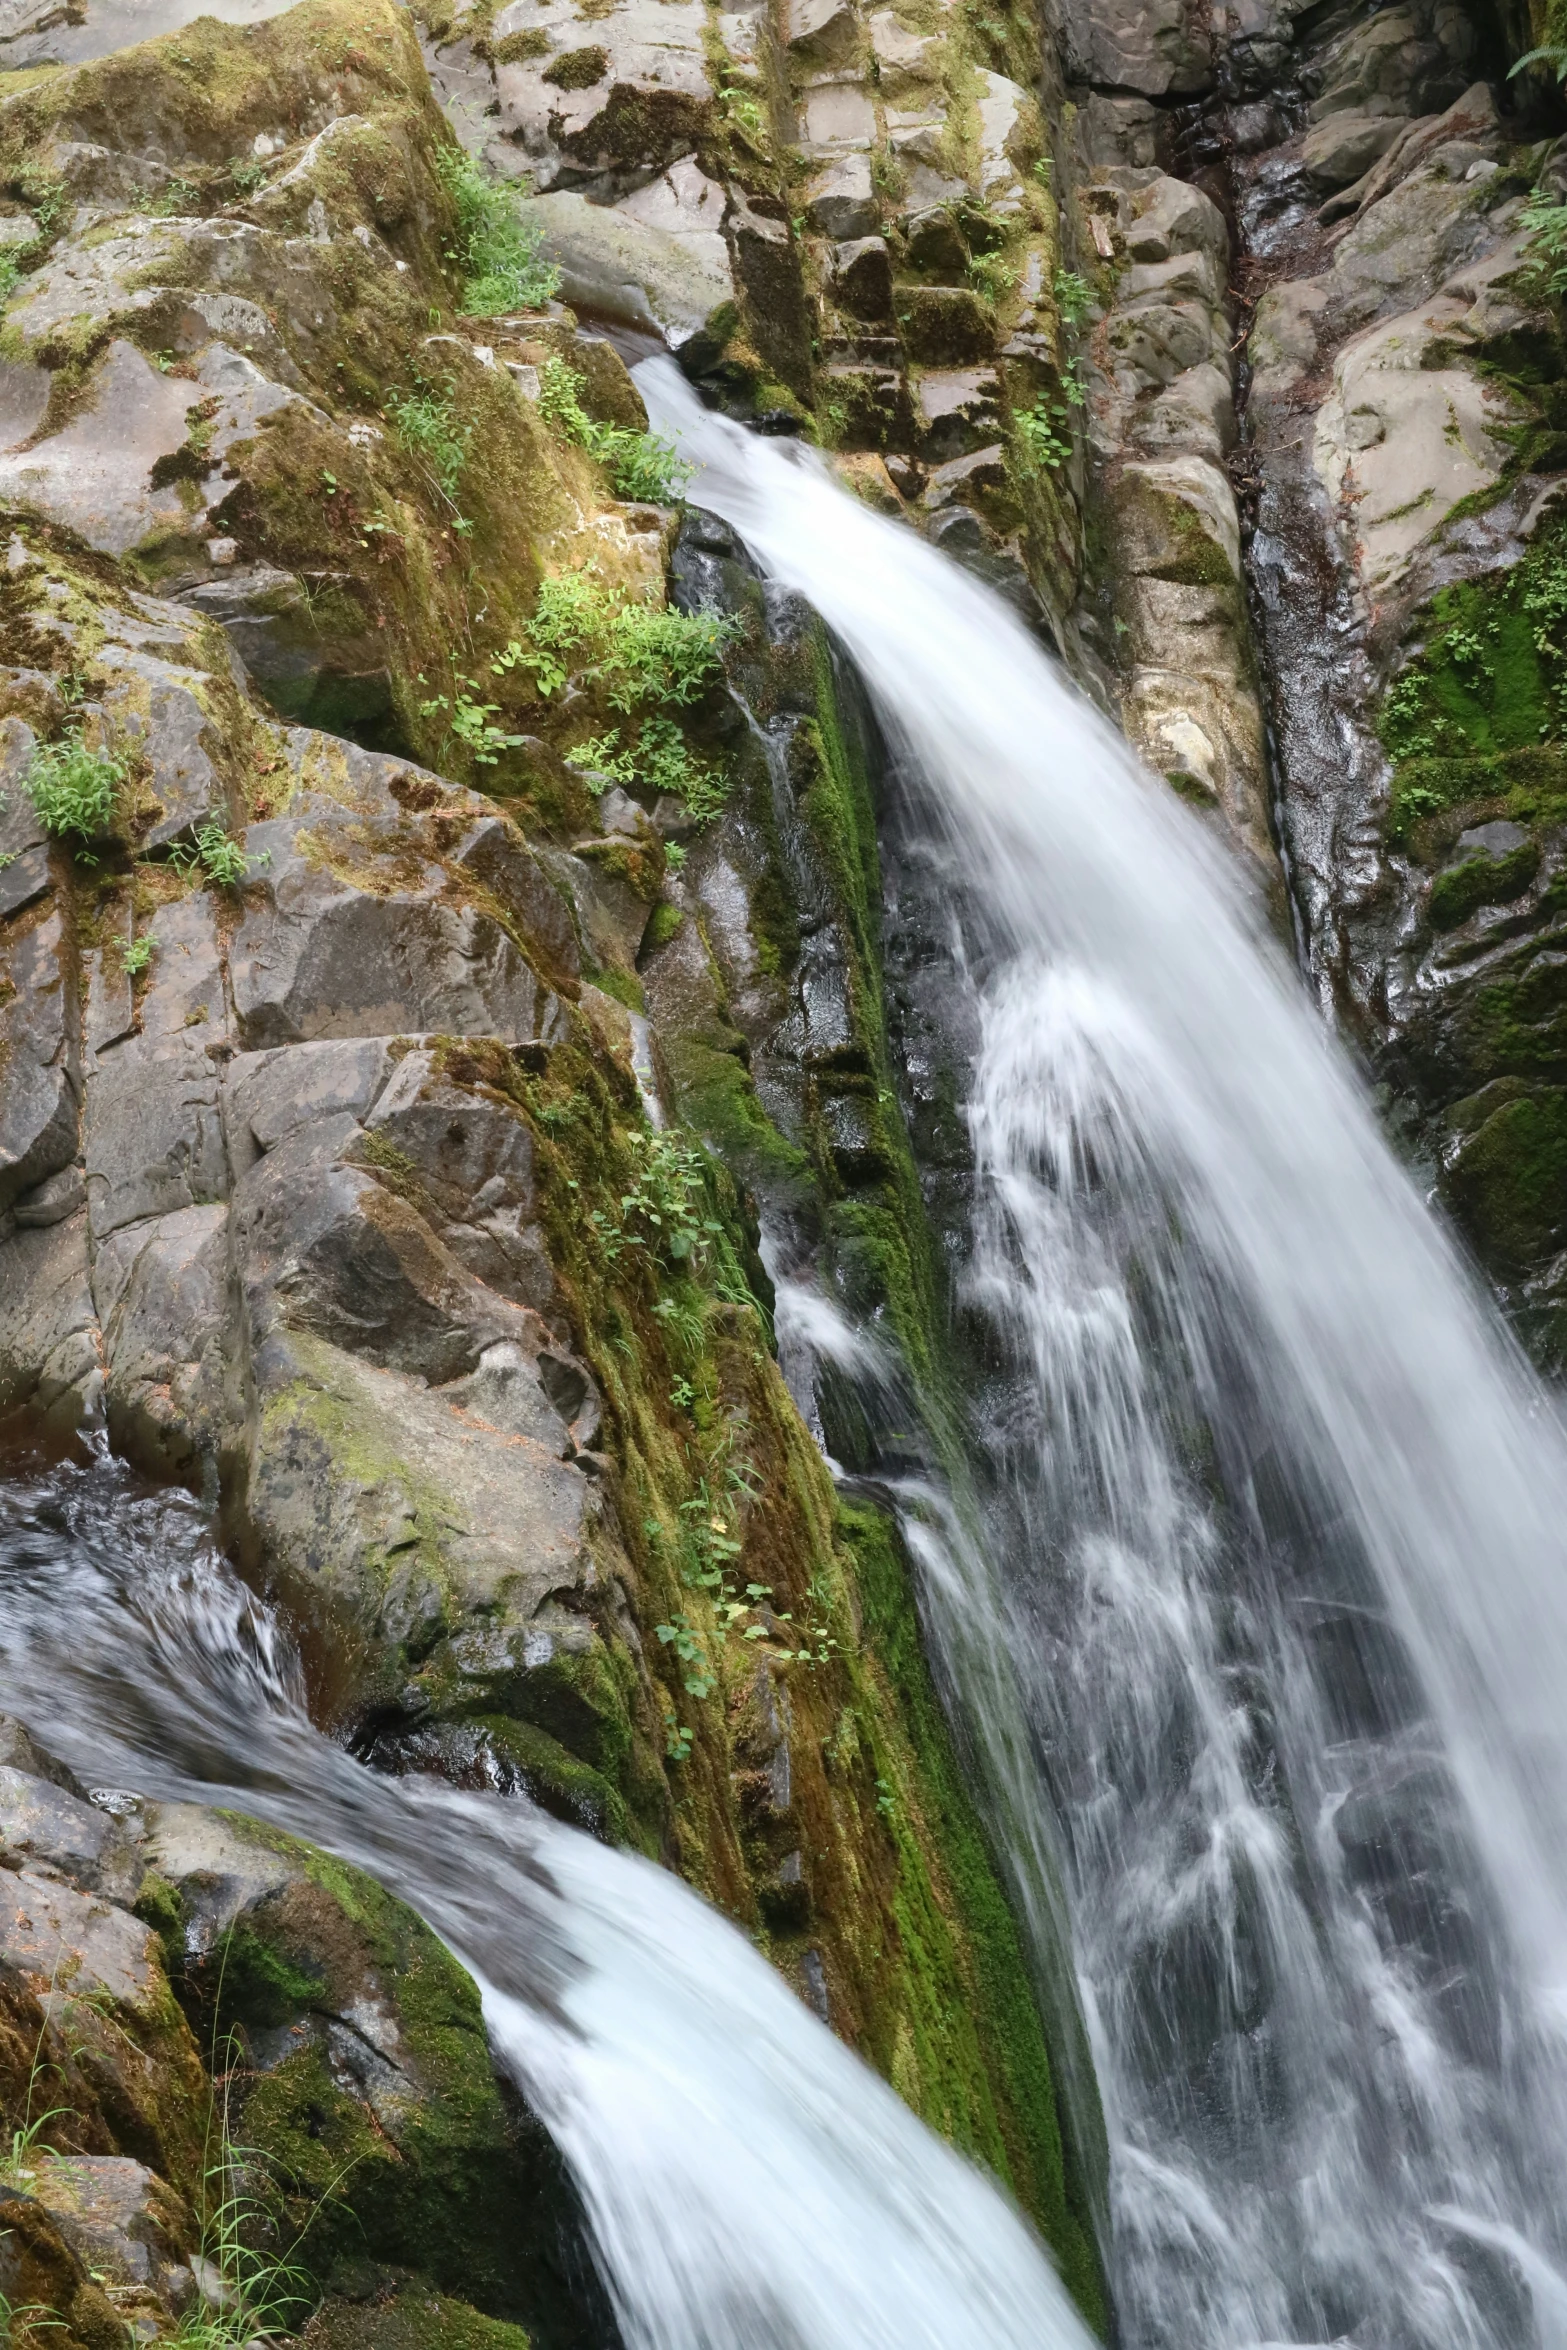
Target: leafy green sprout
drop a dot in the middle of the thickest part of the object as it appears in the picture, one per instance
(639, 653)
(660, 759)
(135, 955)
(1040, 443)
(73, 790)
(495, 248)
(1074, 296)
(641, 466)
(218, 857)
(471, 722)
(426, 422)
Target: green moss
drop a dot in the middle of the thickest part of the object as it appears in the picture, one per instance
(409, 2321)
(1479, 711)
(440, 2183)
(578, 69)
(664, 921)
(1508, 1180)
(558, 1780)
(1481, 881)
(970, 2009)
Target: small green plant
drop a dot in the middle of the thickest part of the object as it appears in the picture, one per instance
(637, 652)
(661, 759)
(1041, 446)
(992, 274)
(135, 955)
(44, 196)
(666, 1213)
(698, 1677)
(73, 790)
(495, 248)
(745, 112)
(175, 196)
(10, 272)
(426, 422)
(1544, 222)
(640, 465)
(1074, 297)
(246, 175)
(471, 722)
(677, 1741)
(218, 857)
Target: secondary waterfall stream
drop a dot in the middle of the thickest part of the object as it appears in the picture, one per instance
(1257, 1608)
(1277, 1519)
(749, 2184)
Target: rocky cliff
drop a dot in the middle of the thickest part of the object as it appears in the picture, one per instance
(453, 928)
(441, 913)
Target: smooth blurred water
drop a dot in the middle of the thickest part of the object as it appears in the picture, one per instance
(1262, 1607)
(749, 2184)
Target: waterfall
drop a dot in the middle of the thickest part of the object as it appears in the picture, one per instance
(1270, 1551)
(749, 2184)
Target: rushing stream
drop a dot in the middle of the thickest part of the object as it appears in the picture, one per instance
(1270, 1553)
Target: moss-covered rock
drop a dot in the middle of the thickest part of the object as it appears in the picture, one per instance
(367, 2086)
(409, 2320)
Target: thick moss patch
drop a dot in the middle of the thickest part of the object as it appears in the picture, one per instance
(1478, 715)
(1019, 2133)
(1509, 1177)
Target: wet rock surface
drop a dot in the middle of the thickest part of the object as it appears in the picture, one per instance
(170, 1977)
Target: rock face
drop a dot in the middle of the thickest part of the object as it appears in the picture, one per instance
(137, 1942)
(475, 931)
(1357, 552)
(1404, 479)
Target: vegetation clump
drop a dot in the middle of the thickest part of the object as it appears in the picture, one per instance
(635, 653)
(426, 422)
(640, 465)
(73, 789)
(1479, 714)
(495, 249)
(659, 758)
(217, 857)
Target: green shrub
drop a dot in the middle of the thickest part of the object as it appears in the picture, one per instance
(661, 759)
(636, 653)
(73, 790)
(1074, 296)
(221, 859)
(639, 464)
(495, 250)
(426, 423)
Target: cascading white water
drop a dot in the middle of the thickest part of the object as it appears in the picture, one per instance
(749, 2184)
(1281, 1530)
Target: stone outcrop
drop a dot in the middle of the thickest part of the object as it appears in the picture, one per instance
(1346, 226)
(1404, 477)
(176, 1982)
